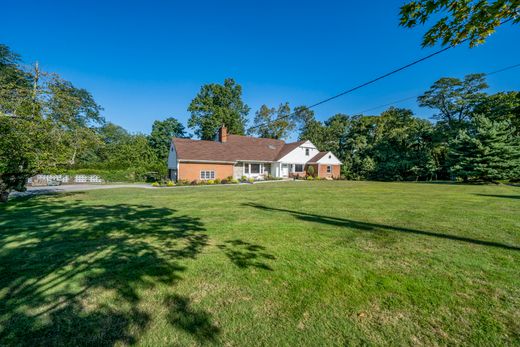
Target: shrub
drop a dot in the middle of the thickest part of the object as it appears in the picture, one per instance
(233, 181)
(170, 184)
(210, 182)
(224, 181)
(183, 182)
(156, 184)
(310, 178)
(243, 179)
(194, 183)
(251, 180)
(310, 170)
(218, 180)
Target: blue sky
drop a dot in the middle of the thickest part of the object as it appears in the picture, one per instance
(146, 60)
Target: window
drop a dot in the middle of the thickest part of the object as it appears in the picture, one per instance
(246, 168)
(298, 168)
(306, 151)
(329, 168)
(255, 168)
(207, 175)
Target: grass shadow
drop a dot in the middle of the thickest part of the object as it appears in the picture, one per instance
(516, 197)
(59, 258)
(364, 226)
(245, 254)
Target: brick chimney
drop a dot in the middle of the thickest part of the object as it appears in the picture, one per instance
(222, 133)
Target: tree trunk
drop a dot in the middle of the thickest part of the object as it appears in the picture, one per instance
(4, 196)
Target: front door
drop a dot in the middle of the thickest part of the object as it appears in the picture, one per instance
(285, 170)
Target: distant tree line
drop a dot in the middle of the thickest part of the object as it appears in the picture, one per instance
(49, 125)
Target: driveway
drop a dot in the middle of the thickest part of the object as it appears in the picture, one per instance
(75, 188)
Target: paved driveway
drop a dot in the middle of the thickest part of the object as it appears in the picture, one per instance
(75, 188)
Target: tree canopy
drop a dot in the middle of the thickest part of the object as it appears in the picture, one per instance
(273, 123)
(216, 105)
(457, 21)
(162, 134)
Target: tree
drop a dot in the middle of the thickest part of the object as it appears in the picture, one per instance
(216, 105)
(455, 99)
(501, 106)
(457, 21)
(75, 113)
(162, 133)
(487, 151)
(273, 123)
(26, 143)
(45, 122)
(402, 146)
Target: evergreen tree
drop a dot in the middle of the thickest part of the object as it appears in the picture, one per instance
(487, 151)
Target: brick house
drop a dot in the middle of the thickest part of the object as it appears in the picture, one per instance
(237, 156)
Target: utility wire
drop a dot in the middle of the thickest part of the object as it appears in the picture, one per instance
(370, 81)
(416, 96)
(378, 78)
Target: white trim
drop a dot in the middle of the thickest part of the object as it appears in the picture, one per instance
(206, 172)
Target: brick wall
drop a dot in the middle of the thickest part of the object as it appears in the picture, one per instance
(335, 172)
(191, 171)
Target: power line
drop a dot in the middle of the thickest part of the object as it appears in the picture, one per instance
(380, 77)
(371, 81)
(416, 96)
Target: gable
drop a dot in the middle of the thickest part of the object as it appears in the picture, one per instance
(299, 152)
(329, 158)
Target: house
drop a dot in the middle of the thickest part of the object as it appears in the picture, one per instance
(236, 156)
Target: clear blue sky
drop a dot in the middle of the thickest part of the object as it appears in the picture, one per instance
(146, 60)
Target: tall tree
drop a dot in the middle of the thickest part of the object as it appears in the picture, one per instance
(162, 134)
(472, 20)
(455, 99)
(75, 114)
(26, 142)
(273, 123)
(488, 150)
(216, 105)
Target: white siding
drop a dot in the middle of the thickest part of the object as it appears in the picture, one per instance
(329, 159)
(297, 155)
(172, 158)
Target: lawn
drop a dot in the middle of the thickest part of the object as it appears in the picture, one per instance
(297, 263)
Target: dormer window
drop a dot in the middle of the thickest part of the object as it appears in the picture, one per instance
(306, 151)
(330, 156)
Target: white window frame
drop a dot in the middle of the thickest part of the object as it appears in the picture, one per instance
(207, 175)
(307, 152)
(329, 168)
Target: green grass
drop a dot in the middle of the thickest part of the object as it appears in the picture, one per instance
(298, 263)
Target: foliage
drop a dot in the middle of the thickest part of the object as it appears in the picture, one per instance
(273, 123)
(487, 151)
(457, 21)
(216, 105)
(162, 134)
(309, 178)
(310, 170)
(455, 99)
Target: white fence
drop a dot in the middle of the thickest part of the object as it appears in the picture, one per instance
(45, 179)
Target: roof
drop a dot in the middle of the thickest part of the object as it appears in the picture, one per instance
(236, 148)
(317, 157)
(288, 148)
